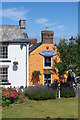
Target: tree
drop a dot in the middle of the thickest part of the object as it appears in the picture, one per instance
(67, 53)
(70, 60)
(59, 68)
(70, 54)
(78, 55)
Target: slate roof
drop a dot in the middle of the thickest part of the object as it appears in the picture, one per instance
(34, 46)
(12, 33)
(16, 41)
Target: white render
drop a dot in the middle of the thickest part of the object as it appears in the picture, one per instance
(18, 53)
(27, 54)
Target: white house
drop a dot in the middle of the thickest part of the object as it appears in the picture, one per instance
(14, 44)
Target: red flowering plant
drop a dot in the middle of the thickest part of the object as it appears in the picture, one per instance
(11, 95)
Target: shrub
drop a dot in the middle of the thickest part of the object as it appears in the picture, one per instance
(10, 95)
(68, 92)
(40, 92)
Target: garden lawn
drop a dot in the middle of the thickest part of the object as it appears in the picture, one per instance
(55, 108)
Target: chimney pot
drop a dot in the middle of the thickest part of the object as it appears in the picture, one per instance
(47, 28)
(22, 24)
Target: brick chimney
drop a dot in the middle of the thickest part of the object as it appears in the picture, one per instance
(22, 24)
(47, 36)
(32, 41)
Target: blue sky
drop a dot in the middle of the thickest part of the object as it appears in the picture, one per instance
(61, 17)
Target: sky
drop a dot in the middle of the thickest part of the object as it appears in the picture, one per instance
(60, 17)
(39, 0)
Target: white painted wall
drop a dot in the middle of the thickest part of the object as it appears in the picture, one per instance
(15, 53)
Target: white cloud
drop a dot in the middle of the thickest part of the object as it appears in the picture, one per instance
(51, 25)
(42, 21)
(61, 27)
(45, 22)
(14, 13)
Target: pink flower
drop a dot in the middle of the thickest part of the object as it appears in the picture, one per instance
(12, 104)
(7, 96)
(8, 92)
(15, 93)
(22, 99)
(15, 90)
(23, 96)
(18, 93)
(12, 95)
(10, 86)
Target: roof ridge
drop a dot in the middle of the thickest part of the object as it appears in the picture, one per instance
(9, 25)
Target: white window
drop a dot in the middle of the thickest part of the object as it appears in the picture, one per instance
(3, 74)
(3, 51)
(47, 63)
(47, 79)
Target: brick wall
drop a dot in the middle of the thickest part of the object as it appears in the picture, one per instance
(32, 41)
(47, 37)
(4, 66)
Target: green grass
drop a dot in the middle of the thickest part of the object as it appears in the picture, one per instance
(56, 108)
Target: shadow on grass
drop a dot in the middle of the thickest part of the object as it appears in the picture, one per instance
(47, 118)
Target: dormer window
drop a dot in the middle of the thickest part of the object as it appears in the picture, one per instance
(47, 58)
(3, 51)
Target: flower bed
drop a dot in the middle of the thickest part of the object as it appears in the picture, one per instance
(10, 95)
(68, 92)
(40, 92)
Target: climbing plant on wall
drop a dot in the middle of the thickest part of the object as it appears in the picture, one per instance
(35, 75)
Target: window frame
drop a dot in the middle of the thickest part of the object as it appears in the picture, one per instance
(4, 54)
(44, 78)
(2, 75)
(45, 67)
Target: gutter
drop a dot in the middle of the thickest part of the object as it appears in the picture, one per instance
(27, 65)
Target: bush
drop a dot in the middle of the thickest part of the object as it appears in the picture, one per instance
(40, 92)
(68, 92)
(10, 95)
